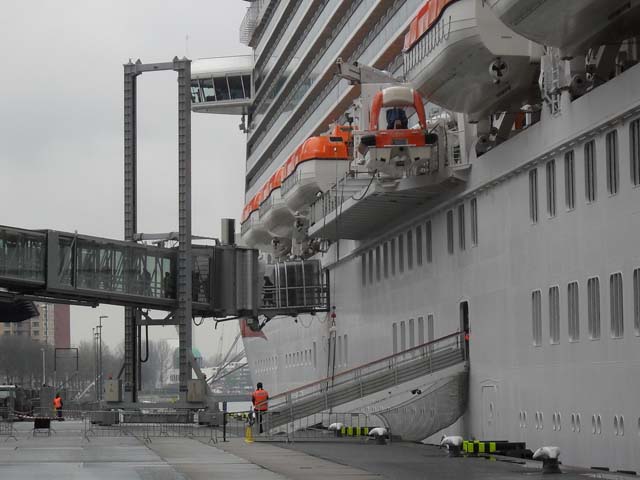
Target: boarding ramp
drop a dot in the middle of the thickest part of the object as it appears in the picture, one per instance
(349, 387)
(81, 269)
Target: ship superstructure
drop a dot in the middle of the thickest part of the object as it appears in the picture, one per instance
(457, 166)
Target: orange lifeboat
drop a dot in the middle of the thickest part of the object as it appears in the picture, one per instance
(398, 150)
(274, 213)
(314, 166)
(254, 233)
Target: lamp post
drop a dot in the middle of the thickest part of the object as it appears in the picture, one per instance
(100, 373)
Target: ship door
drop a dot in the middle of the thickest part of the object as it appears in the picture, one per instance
(489, 412)
(464, 326)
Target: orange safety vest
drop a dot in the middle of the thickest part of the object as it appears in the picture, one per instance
(259, 399)
(57, 403)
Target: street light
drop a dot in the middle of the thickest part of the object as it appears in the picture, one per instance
(100, 352)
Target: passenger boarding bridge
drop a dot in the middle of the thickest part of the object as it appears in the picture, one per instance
(226, 280)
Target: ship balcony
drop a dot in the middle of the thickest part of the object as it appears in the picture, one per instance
(275, 215)
(301, 188)
(222, 85)
(360, 204)
(254, 233)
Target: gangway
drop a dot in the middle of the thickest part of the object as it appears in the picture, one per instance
(226, 280)
(442, 364)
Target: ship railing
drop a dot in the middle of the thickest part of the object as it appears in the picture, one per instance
(330, 201)
(296, 177)
(369, 378)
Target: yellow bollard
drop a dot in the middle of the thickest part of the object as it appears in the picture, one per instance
(248, 434)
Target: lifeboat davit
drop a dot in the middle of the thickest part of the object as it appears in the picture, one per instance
(274, 213)
(397, 150)
(254, 233)
(571, 25)
(314, 166)
(460, 56)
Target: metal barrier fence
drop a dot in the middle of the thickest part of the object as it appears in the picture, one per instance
(7, 430)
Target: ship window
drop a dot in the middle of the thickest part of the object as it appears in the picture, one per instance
(551, 188)
(533, 195)
(385, 259)
(339, 351)
(235, 88)
(403, 336)
(474, 222)
(636, 300)
(573, 312)
(554, 315)
(207, 90)
(634, 146)
(430, 328)
(395, 337)
(401, 253)
(569, 180)
(393, 256)
(222, 88)
(536, 317)
(363, 263)
(593, 307)
(378, 263)
(420, 330)
(419, 245)
(195, 91)
(429, 242)
(412, 333)
(246, 84)
(612, 162)
(315, 356)
(410, 249)
(616, 304)
(461, 228)
(450, 231)
(370, 267)
(590, 178)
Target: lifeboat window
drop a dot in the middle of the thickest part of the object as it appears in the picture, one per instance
(335, 139)
(236, 90)
(222, 88)
(207, 90)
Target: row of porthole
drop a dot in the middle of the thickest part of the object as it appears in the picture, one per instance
(576, 422)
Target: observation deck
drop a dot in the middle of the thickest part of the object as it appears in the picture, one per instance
(222, 85)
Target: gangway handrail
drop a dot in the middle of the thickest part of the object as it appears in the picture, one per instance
(393, 356)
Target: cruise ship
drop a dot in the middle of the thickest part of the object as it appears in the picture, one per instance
(459, 167)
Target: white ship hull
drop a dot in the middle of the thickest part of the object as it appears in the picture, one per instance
(544, 395)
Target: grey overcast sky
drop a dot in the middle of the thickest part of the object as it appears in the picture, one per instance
(61, 164)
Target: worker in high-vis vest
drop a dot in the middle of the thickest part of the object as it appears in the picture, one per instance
(260, 401)
(57, 404)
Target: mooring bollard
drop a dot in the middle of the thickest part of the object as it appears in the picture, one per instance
(550, 457)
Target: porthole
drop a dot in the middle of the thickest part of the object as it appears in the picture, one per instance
(599, 425)
(573, 422)
(521, 418)
(593, 424)
(525, 419)
(639, 426)
(615, 425)
(541, 421)
(578, 423)
(553, 420)
(621, 425)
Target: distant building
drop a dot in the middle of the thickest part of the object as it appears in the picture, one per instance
(51, 327)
